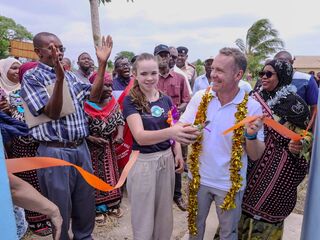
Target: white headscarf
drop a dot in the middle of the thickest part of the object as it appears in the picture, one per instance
(5, 83)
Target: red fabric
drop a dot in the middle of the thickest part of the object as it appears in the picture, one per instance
(25, 67)
(106, 80)
(100, 114)
(174, 85)
(123, 150)
(125, 93)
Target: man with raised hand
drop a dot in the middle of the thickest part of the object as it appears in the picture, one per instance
(63, 136)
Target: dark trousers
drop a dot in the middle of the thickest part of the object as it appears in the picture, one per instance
(65, 187)
(177, 183)
(177, 186)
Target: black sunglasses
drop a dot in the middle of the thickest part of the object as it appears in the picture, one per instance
(268, 74)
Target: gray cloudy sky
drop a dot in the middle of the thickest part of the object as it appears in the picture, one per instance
(204, 26)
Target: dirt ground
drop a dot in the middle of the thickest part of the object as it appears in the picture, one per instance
(120, 228)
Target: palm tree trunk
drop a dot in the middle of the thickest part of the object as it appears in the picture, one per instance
(94, 10)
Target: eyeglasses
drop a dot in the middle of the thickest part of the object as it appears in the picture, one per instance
(268, 74)
(61, 48)
(123, 65)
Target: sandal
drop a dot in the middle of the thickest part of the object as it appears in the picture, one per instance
(100, 220)
(43, 231)
(41, 228)
(118, 213)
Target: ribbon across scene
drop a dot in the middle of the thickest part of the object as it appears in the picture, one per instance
(269, 122)
(15, 165)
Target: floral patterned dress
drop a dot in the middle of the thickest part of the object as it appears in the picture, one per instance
(103, 123)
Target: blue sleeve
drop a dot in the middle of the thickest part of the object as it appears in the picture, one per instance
(195, 86)
(312, 92)
(128, 107)
(34, 94)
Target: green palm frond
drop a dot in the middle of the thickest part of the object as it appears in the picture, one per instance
(269, 46)
(261, 41)
(240, 43)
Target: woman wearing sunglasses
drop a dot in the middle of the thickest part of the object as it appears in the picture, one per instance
(271, 191)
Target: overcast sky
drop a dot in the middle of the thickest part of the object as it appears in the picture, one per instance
(204, 26)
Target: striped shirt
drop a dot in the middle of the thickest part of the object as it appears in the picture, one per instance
(34, 93)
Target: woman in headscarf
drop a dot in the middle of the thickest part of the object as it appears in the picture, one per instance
(272, 182)
(9, 81)
(105, 129)
(12, 72)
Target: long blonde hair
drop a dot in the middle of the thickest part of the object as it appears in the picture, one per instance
(137, 96)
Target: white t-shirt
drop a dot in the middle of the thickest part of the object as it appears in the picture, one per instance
(216, 148)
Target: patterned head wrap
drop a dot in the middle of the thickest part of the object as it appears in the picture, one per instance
(284, 71)
(106, 80)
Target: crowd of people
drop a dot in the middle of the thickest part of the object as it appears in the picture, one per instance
(156, 104)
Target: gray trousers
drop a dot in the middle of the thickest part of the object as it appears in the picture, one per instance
(150, 187)
(228, 220)
(66, 188)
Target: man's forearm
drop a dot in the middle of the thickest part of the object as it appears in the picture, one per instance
(54, 105)
(97, 86)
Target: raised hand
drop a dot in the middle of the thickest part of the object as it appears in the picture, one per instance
(103, 52)
(58, 68)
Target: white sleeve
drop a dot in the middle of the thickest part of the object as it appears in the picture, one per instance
(256, 110)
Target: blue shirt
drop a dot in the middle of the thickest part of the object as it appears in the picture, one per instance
(307, 87)
(150, 122)
(34, 93)
(200, 83)
(119, 84)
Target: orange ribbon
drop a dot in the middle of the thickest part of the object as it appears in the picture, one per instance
(271, 123)
(15, 165)
(241, 123)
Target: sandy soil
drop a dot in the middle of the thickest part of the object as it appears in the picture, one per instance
(120, 228)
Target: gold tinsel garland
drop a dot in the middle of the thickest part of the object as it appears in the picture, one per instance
(236, 154)
(235, 162)
(194, 165)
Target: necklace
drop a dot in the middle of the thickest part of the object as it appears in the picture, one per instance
(235, 161)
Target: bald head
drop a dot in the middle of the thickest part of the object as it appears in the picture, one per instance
(40, 39)
(284, 55)
(173, 51)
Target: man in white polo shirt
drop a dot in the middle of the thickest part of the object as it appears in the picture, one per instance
(227, 105)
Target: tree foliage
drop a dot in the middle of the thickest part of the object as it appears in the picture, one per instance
(262, 40)
(10, 30)
(199, 67)
(126, 54)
